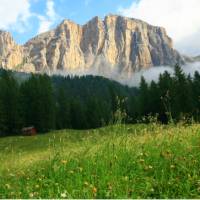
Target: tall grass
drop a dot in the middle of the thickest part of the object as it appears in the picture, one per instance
(132, 161)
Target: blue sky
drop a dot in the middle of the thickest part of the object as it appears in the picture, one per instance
(39, 20)
(27, 18)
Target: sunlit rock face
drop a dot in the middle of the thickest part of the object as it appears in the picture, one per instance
(11, 54)
(115, 42)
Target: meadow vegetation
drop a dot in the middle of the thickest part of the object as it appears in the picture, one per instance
(120, 161)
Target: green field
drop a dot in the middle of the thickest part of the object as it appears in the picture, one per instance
(132, 161)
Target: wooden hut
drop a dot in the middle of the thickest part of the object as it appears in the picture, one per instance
(29, 131)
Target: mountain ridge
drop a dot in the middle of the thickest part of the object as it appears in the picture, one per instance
(116, 42)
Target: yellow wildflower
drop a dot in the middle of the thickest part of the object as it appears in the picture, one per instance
(94, 190)
(63, 161)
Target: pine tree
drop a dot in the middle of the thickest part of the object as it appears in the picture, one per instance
(181, 94)
(154, 100)
(37, 101)
(78, 115)
(165, 85)
(94, 115)
(143, 98)
(9, 105)
(62, 110)
(196, 95)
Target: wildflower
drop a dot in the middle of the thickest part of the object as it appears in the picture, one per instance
(86, 183)
(141, 160)
(12, 175)
(7, 186)
(36, 193)
(63, 161)
(80, 169)
(151, 190)
(126, 178)
(63, 195)
(94, 190)
(37, 186)
(31, 195)
(71, 172)
(150, 167)
(172, 166)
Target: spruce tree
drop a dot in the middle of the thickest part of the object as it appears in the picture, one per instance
(165, 85)
(9, 105)
(181, 94)
(143, 98)
(62, 110)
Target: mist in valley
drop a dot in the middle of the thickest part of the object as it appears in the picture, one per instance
(131, 79)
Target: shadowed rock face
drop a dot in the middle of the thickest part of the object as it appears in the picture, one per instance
(117, 42)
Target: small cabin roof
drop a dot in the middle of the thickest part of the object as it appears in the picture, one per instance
(28, 128)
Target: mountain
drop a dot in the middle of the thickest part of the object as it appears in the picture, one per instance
(11, 54)
(116, 42)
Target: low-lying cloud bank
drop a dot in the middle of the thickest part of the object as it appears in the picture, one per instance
(132, 80)
(153, 73)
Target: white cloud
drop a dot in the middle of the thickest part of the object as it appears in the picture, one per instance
(50, 9)
(181, 18)
(14, 14)
(49, 19)
(153, 73)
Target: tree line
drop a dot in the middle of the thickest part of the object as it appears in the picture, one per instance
(56, 102)
(52, 103)
(173, 98)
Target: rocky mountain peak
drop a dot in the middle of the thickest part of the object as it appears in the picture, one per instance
(114, 42)
(11, 54)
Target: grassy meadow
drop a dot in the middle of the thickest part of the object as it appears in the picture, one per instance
(121, 161)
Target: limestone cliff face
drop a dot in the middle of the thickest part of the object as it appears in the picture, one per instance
(11, 54)
(117, 42)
